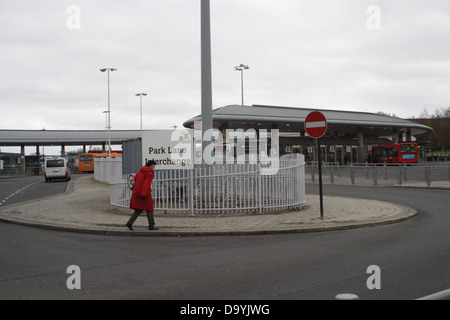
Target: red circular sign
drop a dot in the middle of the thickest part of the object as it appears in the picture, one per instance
(316, 124)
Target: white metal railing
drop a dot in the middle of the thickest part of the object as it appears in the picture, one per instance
(426, 174)
(236, 188)
(107, 169)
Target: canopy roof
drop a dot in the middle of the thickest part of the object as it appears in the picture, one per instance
(64, 137)
(340, 123)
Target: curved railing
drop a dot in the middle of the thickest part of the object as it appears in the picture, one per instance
(228, 188)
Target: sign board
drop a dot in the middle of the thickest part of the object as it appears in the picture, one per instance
(170, 149)
(315, 124)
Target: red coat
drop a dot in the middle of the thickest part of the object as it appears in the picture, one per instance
(142, 188)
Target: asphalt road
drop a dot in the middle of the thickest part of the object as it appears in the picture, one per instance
(16, 190)
(413, 258)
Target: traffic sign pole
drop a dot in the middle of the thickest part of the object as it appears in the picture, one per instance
(316, 126)
(319, 158)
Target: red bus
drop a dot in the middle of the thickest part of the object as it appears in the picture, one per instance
(407, 152)
(86, 160)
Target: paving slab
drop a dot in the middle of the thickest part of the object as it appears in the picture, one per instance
(85, 208)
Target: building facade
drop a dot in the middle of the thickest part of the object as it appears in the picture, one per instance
(349, 138)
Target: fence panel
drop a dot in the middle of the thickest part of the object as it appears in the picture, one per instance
(107, 169)
(220, 189)
(428, 174)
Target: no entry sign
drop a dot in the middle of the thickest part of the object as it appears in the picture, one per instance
(315, 124)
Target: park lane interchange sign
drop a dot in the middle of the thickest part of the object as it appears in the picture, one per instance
(170, 149)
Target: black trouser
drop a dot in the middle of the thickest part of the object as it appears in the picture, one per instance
(137, 213)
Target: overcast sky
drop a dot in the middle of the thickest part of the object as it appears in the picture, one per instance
(390, 56)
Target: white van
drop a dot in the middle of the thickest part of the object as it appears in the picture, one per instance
(57, 168)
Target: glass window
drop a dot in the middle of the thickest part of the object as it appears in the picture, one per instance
(86, 157)
(408, 149)
(55, 163)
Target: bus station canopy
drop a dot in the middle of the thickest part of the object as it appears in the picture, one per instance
(290, 119)
(64, 137)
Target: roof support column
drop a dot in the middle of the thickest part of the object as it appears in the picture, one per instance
(63, 150)
(362, 152)
(38, 155)
(394, 136)
(408, 135)
(22, 159)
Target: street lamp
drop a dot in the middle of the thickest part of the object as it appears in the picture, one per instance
(140, 96)
(107, 127)
(109, 109)
(241, 68)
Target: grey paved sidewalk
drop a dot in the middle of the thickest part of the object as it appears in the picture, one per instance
(85, 208)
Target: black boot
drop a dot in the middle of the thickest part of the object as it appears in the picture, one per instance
(153, 228)
(129, 226)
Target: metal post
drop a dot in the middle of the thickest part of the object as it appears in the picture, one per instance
(320, 180)
(206, 78)
(367, 171)
(191, 191)
(242, 86)
(332, 173)
(259, 189)
(375, 175)
(352, 173)
(241, 68)
(109, 109)
(109, 119)
(140, 96)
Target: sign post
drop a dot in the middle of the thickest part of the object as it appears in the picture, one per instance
(316, 126)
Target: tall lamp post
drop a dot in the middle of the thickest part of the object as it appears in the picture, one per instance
(140, 96)
(241, 68)
(206, 73)
(106, 127)
(109, 109)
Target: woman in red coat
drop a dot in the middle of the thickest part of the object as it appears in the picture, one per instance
(141, 198)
